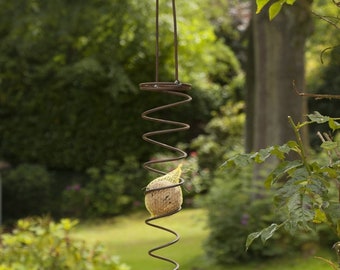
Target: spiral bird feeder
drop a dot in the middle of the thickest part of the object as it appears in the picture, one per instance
(163, 196)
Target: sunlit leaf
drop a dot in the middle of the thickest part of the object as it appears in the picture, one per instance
(333, 124)
(275, 9)
(319, 216)
(260, 4)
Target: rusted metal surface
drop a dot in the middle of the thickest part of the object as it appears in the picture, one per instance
(168, 89)
(177, 89)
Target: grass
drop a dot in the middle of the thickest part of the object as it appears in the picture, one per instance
(130, 238)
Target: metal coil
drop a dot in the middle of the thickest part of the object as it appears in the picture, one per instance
(175, 88)
(167, 88)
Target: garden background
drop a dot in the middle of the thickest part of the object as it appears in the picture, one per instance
(70, 126)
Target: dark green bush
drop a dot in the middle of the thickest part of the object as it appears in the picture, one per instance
(30, 189)
(108, 190)
(70, 71)
(26, 191)
(105, 192)
(238, 208)
(39, 243)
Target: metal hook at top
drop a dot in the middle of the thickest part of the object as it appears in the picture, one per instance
(175, 40)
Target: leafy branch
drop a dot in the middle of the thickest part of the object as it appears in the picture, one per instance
(301, 185)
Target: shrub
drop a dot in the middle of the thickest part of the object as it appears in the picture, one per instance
(237, 208)
(304, 197)
(109, 190)
(26, 191)
(69, 97)
(105, 192)
(39, 243)
(223, 136)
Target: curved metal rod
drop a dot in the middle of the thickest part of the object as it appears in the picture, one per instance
(177, 237)
(175, 89)
(179, 126)
(168, 88)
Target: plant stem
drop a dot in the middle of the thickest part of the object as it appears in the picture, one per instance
(300, 143)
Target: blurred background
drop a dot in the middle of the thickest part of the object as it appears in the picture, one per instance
(70, 105)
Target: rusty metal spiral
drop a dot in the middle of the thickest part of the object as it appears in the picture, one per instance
(177, 89)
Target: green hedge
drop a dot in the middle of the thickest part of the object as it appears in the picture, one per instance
(69, 97)
(69, 75)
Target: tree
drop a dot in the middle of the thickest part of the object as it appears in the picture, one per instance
(276, 60)
(69, 75)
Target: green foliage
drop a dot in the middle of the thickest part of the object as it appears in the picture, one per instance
(322, 54)
(108, 191)
(60, 112)
(105, 191)
(302, 185)
(274, 8)
(328, 82)
(69, 74)
(223, 135)
(39, 243)
(26, 191)
(237, 208)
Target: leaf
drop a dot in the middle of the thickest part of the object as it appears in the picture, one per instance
(283, 168)
(333, 124)
(265, 234)
(329, 145)
(268, 232)
(300, 210)
(319, 216)
(239, 160)
(251, 237)
(260, 4)
(275, 9)
(262, 155)
(332, 173)
(290, 2)
(318, 118)
(293, 145)
(280, 151)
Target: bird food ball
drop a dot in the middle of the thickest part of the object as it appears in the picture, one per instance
(163, 201)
